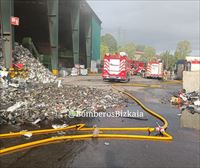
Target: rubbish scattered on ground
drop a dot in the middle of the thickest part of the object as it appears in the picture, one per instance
(96, 131)
(40, 96)
(28, 134)
(106, 143)
(197, 103)
(61, 133)
(174, 100)
(187, 101)
(3, 73)
(36, 121)
(56, 126)
(37, 73)
(49, 102)
(13, 85)
(15, 106)
(59, 83)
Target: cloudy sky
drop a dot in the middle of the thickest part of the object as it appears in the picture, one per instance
(158, 23)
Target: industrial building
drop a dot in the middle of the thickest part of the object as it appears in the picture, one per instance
(61, 33)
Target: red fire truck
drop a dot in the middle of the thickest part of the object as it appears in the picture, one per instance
(154, 69)
(137, 67)
(116, 67)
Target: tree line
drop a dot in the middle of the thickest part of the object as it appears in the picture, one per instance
(110, 45)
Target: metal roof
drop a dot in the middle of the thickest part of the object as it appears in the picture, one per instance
(84, 4)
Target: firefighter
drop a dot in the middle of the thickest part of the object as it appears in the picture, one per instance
(165, 75)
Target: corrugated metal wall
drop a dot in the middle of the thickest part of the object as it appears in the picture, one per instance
(96, 32)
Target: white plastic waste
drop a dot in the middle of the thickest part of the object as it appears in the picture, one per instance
(59, 83)
(74, 72)
(183, 97)
(28, 134)
(96, 131)
(56, 126)
(197, 103)
(83, 72)
(106, 143)
(36, 121)
(14, 85)
(15, 106)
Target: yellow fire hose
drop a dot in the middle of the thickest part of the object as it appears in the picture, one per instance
(81, 127)
(39, 132)
(143, 106)
(33, 144)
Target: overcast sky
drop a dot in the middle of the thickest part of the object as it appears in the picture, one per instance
(160, 24)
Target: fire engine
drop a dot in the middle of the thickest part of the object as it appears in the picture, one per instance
(137, 67)
(116, 67)
(154, 69)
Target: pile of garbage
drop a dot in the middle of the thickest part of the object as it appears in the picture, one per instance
(52, 101)
(41, 96)
(187, 101)
(37, 73)
(166, 98)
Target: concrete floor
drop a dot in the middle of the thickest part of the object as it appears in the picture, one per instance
(183, 151)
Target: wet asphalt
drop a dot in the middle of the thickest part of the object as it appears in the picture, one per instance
(183, 151)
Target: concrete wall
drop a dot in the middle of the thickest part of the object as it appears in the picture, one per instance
(190, 120)
(191, 81)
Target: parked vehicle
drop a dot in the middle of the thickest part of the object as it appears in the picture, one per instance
(154, 69)
(137, 67)
(116, 67)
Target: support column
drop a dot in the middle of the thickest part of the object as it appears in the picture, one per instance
(88, 33)
(7, 31)
(75, 19)
(52, 6)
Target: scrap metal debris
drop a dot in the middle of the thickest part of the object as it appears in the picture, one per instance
(37, 72)
(42, 97)
(48, 101)
(15, 106)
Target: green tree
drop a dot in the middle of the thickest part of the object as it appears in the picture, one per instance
(140, 47)
(149, 54)
(109, 41)
(103, 50)
(183, 49)
(168, 59)
(130, 49)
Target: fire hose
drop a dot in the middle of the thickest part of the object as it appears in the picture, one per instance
(164, 136)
